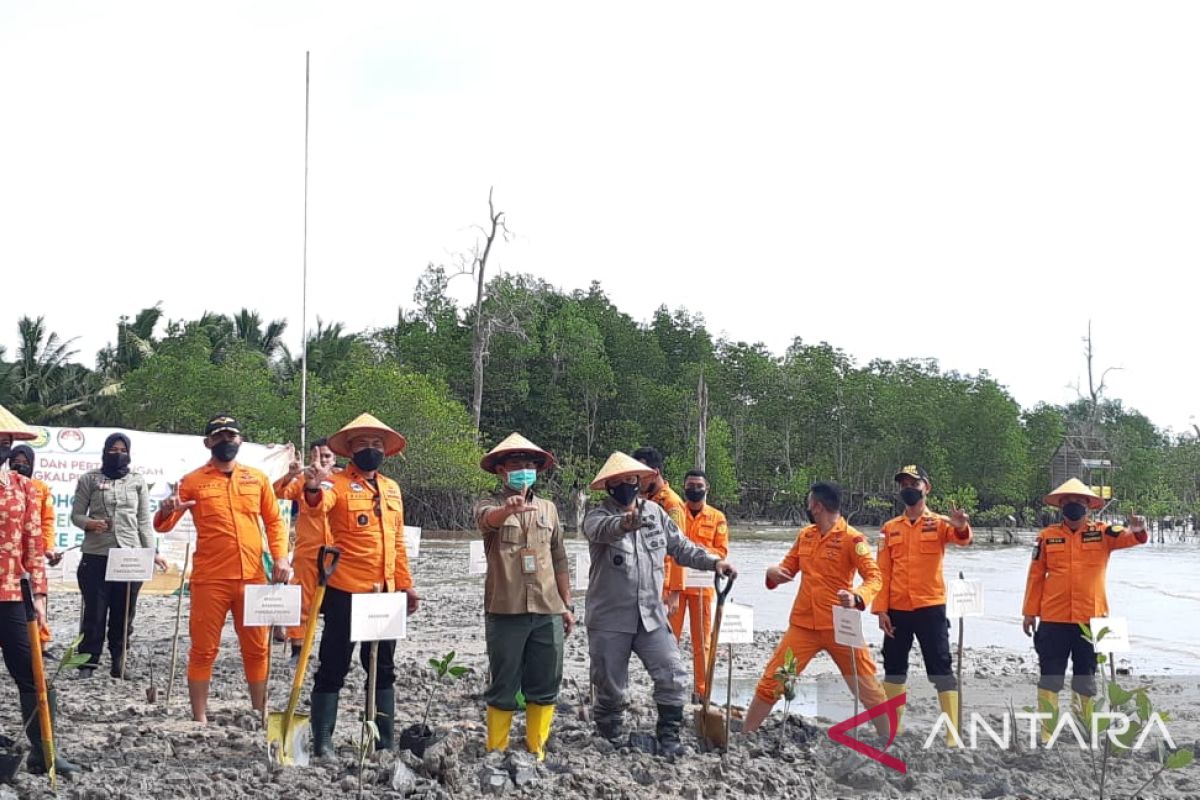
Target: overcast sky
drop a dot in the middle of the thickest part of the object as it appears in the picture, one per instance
(965, 181)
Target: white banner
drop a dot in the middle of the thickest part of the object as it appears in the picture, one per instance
(412, 542)
(61, 455)
(477, 560)
(583, 569)
(697, 578)
(271, 604)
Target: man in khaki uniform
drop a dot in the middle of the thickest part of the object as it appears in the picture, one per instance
(526, 596)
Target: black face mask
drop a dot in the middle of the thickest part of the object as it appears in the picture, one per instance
(910, 495)
(225, 451)
(1074, 511)
(5, 452)
(114, 465)
(23, 469)
(624, 494)
(695, 495)
(369, 459)
(812, 518)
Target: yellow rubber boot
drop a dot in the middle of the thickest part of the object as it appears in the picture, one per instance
(1047, 704)
(537, 728)
(949, 702)
(498, 723)
(1087, 707)
(891, 690)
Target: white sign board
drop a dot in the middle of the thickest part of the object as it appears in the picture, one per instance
(380, 615)
(412, 541)
(847, 627)
(697, 579)
(583, 567)
(67, 571)
(964, 599)
(271, 604)
(1117, 638)
(478, 559)
(130, 565)
(737, 625)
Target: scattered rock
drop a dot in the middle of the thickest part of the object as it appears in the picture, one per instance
(493, 780)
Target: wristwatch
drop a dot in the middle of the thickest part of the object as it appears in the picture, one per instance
(312, 489)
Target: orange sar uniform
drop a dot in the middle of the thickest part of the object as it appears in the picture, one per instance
(228, 557)
(366, 523)
(708, 529)
(1065, 588)
(911, 553)
(45, 505)
(827, 563)
(673, 504)
(312, 531)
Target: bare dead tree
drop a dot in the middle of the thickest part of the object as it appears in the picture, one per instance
(487, 323)
(1095, 392)
(702, 426)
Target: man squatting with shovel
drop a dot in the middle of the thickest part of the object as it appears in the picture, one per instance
(526, 596)
(628, 538)
(365, 512)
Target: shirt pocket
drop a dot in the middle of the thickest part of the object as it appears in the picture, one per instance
(930, 542)
(511, 534)
(1092, 552)
(209, 502)
(654, 542)
(805, 553)
(1058, 556)
(621, 555)
(541, 534)
(249, 498)
(360, 513)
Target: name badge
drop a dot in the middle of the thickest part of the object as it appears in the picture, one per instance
(529, 562)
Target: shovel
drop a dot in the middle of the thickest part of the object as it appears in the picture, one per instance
(39, 678)
(288, 732)
(710, 720)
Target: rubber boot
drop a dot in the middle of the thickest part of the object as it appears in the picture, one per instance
(670, 721)
(948, 700)
(323, 720)
(538, 720)
(892, 690)
(498, 723)
(1087, 707)
(385, 717)
(611, 728)
(1047, 704)
(36, 763)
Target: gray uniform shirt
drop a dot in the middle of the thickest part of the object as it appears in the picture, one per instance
(625, 583)
(124, 502)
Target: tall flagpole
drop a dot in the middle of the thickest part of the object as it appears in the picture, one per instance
(304, 286)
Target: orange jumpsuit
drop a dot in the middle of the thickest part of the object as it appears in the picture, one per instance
(709, 530)
(228, 556)
(827, 563)
(1067, 574)
(312, 531)
(45, 503)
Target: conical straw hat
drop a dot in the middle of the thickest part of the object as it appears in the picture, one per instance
(1074, 486)
(393, 442)
(619, 465)
(14, 427)
(516, 443)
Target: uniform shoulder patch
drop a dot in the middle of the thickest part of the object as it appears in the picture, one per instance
(1115, 530)
(861, 548)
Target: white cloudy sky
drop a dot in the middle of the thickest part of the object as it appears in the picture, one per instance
(964, 181)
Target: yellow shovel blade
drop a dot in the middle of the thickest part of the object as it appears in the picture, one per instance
(291, 746)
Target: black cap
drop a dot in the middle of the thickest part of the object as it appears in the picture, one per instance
(222, 422)
(912, 471)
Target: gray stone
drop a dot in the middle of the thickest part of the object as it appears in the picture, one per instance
(403, 778)
(494, 781)
(1001, 789)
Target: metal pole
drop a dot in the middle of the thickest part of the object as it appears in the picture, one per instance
(304, 281)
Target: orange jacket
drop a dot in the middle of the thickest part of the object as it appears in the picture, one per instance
(828, 563)
(46, 504)
(367, 525)
(675, 508)
(228, 510)
(910, 558)
(312, 530)
(1066, 576)
(707, 529)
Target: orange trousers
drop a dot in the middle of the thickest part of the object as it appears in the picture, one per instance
(806, 643)
(697, 605)
(304, 575)
(211, 603)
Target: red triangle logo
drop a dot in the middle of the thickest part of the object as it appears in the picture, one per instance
(839, 732)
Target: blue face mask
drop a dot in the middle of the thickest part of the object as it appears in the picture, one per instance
(520, 479)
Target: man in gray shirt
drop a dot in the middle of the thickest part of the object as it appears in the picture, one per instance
(628, 539)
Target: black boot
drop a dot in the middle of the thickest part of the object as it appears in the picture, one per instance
(385, 717)
(670, 721)
(323, 720)
(36, 763)
(611, 728)
(118, 661)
